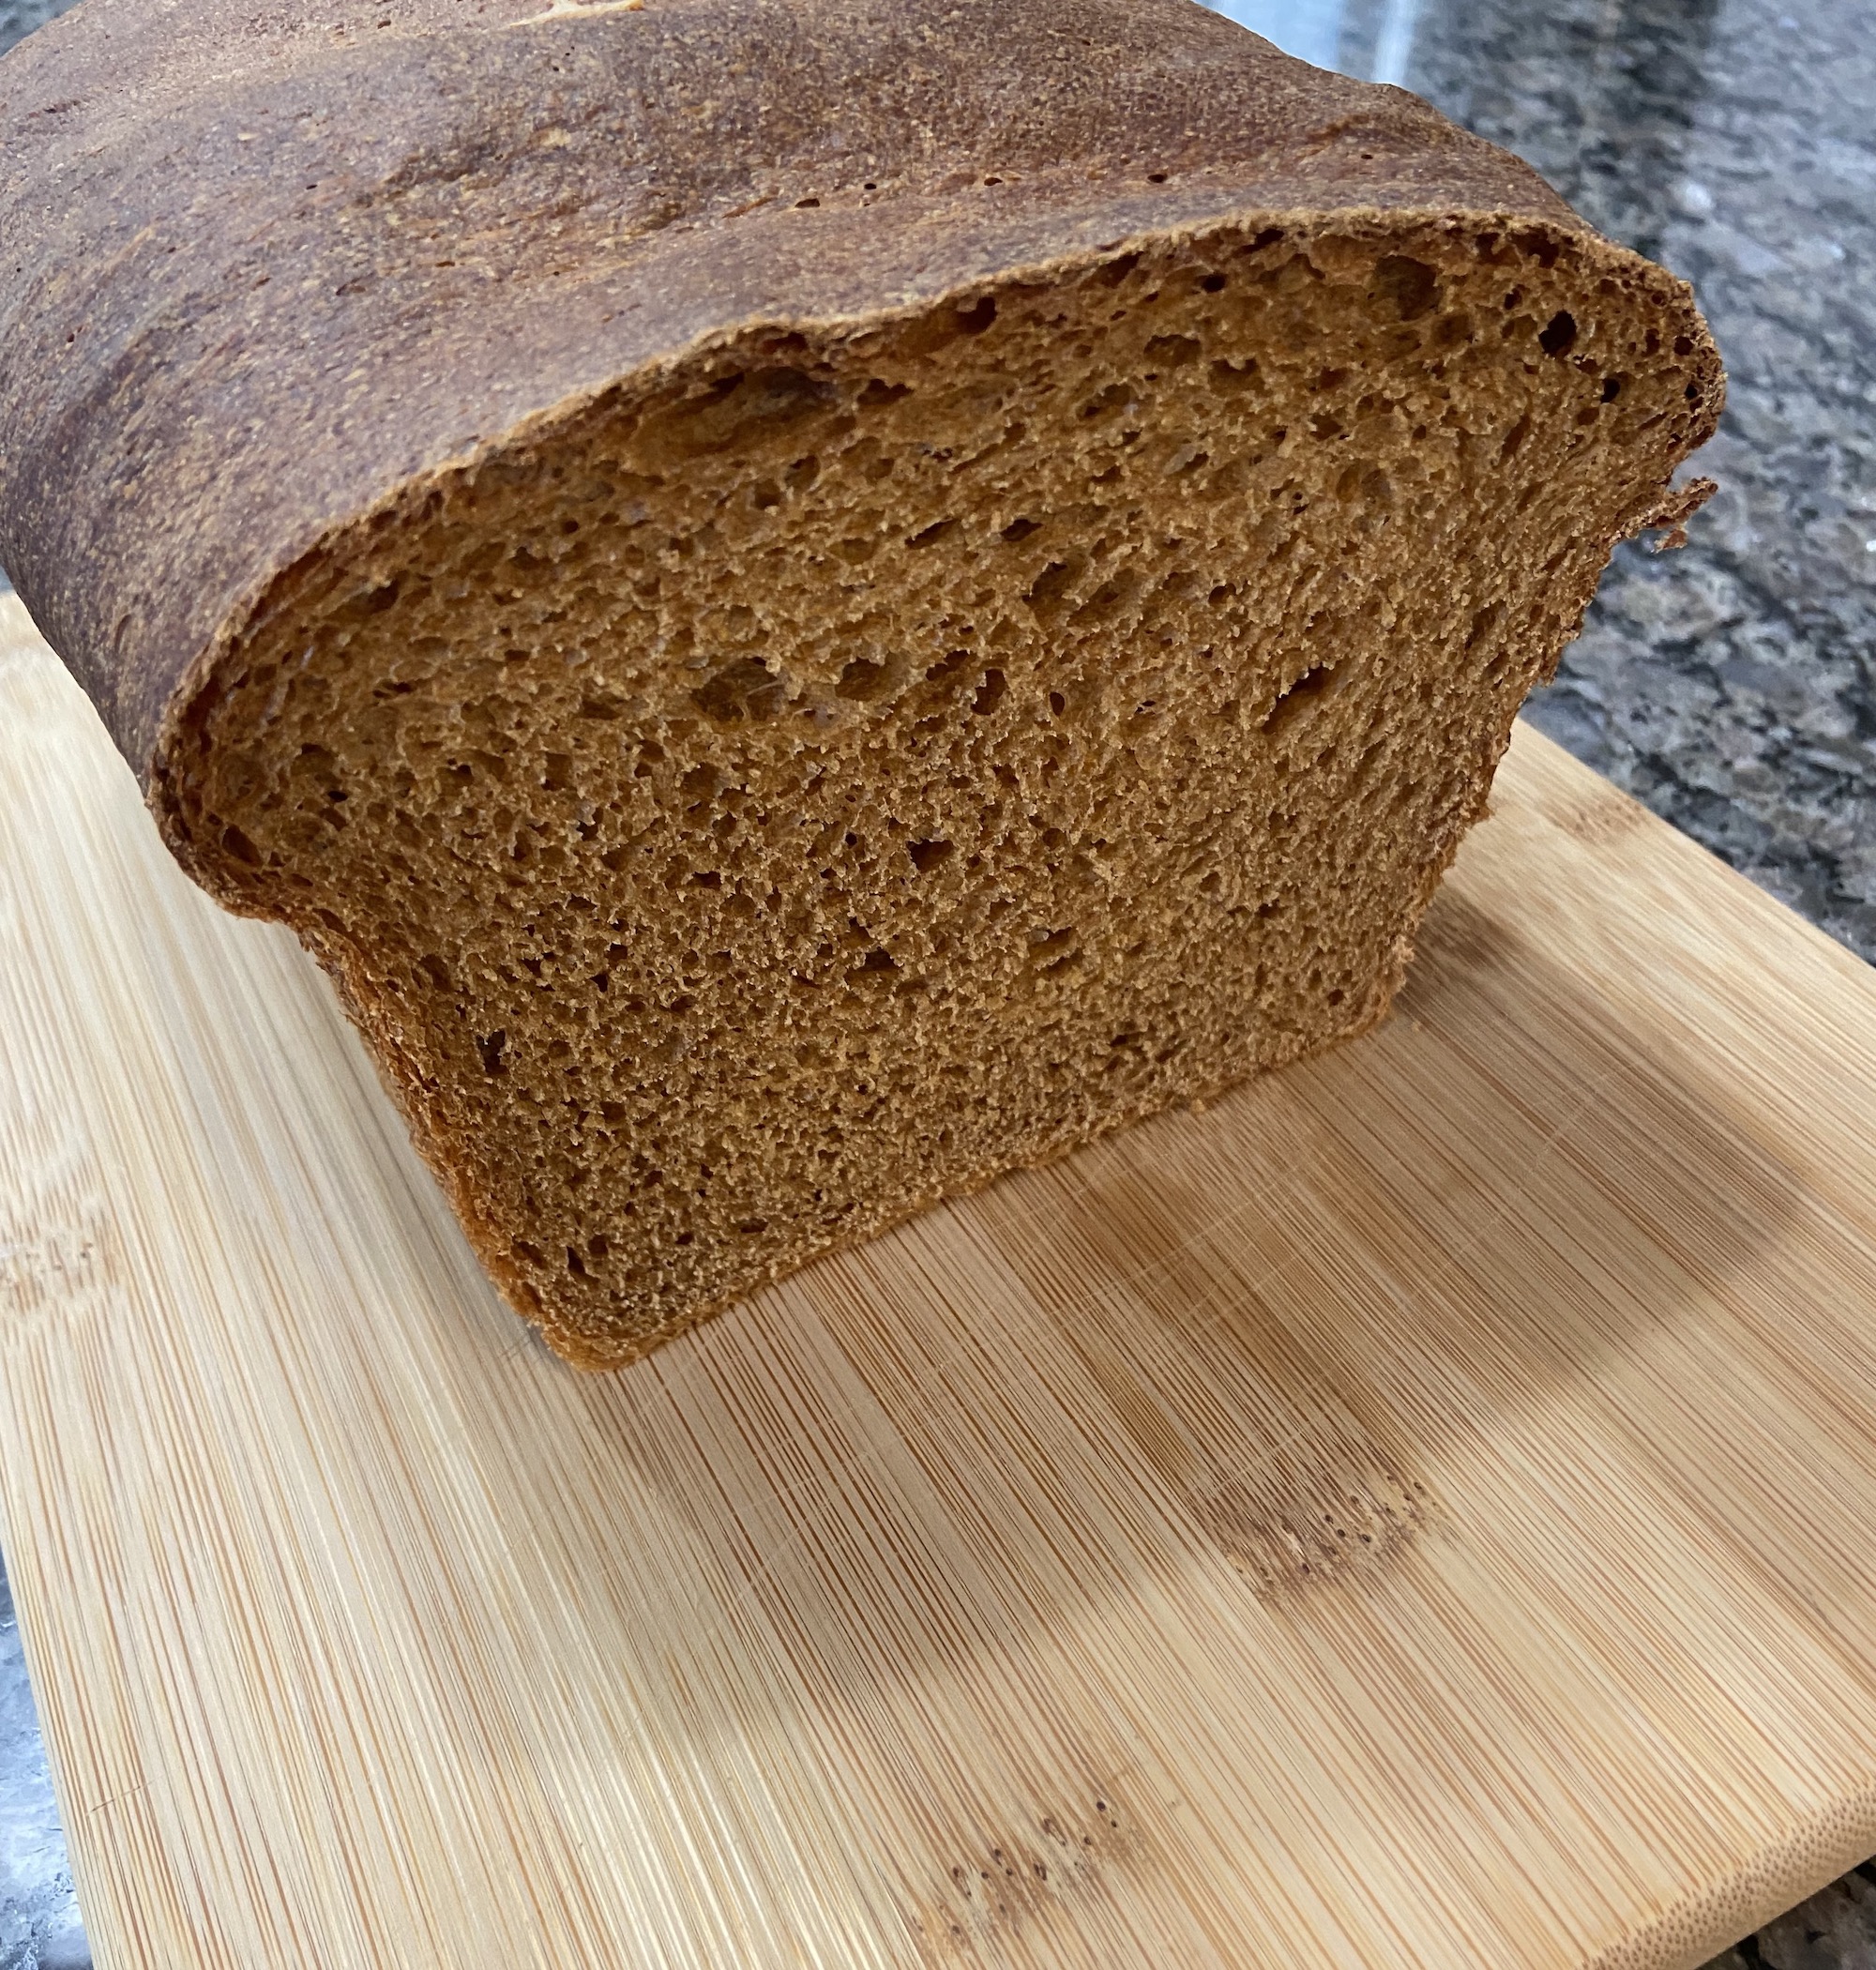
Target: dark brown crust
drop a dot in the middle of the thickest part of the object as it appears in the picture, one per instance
(267, 267)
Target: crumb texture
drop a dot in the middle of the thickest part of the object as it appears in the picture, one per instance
(826, 772)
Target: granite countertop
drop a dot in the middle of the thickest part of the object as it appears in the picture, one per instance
(1731, 685)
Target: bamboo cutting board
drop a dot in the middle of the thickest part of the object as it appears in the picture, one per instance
(1421, 1513)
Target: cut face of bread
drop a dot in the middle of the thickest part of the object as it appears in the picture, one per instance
(846, 762)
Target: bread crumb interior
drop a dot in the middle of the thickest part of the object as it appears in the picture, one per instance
(812, 779)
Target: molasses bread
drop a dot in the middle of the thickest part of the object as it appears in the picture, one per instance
(802, 603)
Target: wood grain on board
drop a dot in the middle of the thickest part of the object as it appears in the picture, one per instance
(1420, 1512)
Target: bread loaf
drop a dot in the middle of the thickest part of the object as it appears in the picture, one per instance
(802, 603)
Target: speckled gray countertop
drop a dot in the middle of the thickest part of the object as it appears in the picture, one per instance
(1731, 686)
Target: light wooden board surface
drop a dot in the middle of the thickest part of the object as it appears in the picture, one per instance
(1420, 1512)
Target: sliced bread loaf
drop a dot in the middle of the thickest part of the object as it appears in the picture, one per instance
(802, 604)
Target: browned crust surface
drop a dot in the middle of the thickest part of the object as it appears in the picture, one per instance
(266, 265)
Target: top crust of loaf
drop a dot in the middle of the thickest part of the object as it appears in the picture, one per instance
(271, 266)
